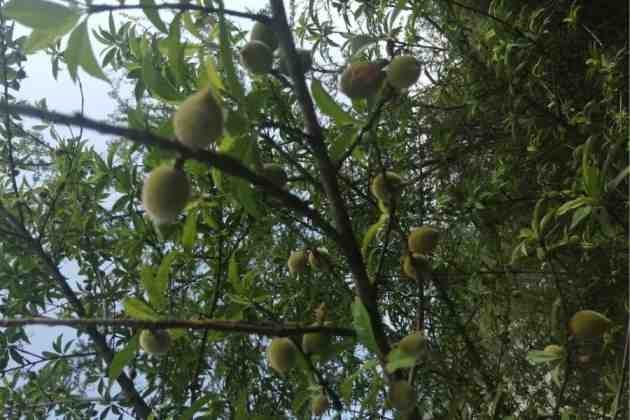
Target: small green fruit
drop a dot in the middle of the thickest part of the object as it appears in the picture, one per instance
(554, 349)
(361, 80)
(257, 57)
(403, 71)
(198, 121)
(306, 59)
(165, 192)
(315, 342)
(319, 405)
(155, 341)
(387, 188)
(588, 324)
(401, 395)
(263, 33)
(320, 260)
(275, 173)
(410, 263)
(413, 344)
(297, 262)
(281, 355)
(422, 240)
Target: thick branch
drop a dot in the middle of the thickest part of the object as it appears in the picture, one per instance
(266, 328)
(346, 237)
(224, 163)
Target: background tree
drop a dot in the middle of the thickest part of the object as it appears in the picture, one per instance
(513, 145)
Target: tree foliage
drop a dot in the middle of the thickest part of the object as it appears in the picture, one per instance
(513, 146)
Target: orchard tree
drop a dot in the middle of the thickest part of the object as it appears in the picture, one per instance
(411, 209)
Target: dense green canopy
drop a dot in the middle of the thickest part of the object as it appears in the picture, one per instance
(513, 146)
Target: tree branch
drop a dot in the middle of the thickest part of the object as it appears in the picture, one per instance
(97, 8)
(265, 328)
(224, 163)
(346, 238)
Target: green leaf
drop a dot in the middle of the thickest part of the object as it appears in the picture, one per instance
(620, 176)
(148, 7)
(40, 14)
(328, 105)
(189, 233)
(42, 38)
(137, 309)
(538, 356)
(343, 141)
(176, 51)
(152, 77)
(372, 231)
(579, 215)
(196, 406)
(573, 204)
(233, 274)
(123, 357)
(397, 359)
(363, 326)
(225, 52)
(79, 53)
(160, 284)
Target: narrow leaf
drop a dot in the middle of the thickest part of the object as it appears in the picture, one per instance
(148, 7)
(79, 53)
(328, 105)
(122, 358)
(41, 14)
(138, 309)
(196, 406)
(363, 326)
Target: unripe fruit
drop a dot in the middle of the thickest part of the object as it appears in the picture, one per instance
(155, 341)
(361, 80)
(281, 355)
(588, 324)
(319, 405)
(165, 192)
(297, 262)
(275, 173)
(387, 188)
(320, 260)
(554, 349)
(411, 262)
(422, 240)
(198, 121)
(413, 344)
(316, 342)
(403, 71)
(257, 57)
(401, 395)
(263, 33)
(306, 59)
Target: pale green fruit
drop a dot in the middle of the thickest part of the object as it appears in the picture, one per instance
(257, 57)
(198, 121)
(320, 259)
(165, 192)
(275, 173)
(422, 240)
(281, 355)
(297, 262)
(401, 395)
(413, 344)
(155, 341)
(403, 71)
(319, 405)
(588, 324)
(387, 188)
(554, 349)
(263, 33)
(315, 342)
(361, 80)
(306, 59)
